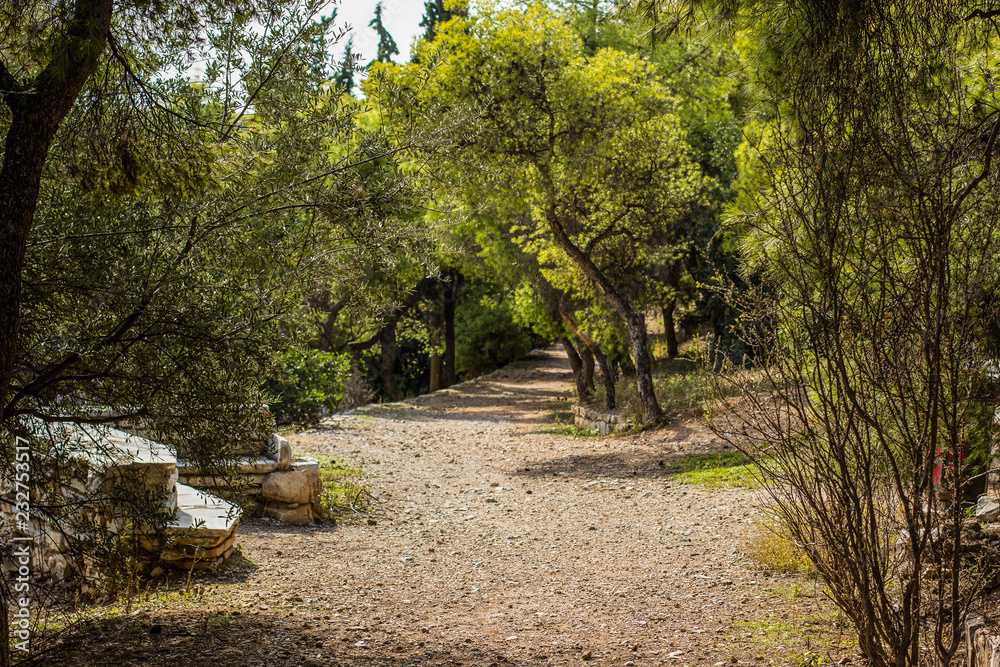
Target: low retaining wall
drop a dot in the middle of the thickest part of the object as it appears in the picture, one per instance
(288, 486)
(602, 422)
(982, 647)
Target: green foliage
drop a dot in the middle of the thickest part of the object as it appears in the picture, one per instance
(310, 380)
(345, 74)
(487, 335)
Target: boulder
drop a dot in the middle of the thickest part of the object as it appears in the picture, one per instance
(987, 509)
(293, 486)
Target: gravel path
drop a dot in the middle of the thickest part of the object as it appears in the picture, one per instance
(497, 543)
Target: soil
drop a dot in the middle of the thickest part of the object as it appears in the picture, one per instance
(499, 538)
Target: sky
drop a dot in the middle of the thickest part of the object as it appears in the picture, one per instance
(400, 17)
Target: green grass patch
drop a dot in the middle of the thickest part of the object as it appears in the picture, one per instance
(346, 493)
(723, 470)
(568, 430)
(561, 413)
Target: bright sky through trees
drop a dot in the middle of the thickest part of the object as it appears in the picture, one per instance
(401, 17)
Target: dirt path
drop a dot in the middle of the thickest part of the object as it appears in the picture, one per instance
(496, 543)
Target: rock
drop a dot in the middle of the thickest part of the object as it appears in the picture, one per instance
(972, 627)
(299, 515)
(372, 522)
(587, 655)
(293, 486)
(987, 509)
(284, 454)
(305, 463)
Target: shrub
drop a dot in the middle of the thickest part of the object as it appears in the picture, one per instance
(486, 335)
(310, 381)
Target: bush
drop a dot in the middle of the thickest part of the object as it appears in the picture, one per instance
(310, 381)
(486, 335)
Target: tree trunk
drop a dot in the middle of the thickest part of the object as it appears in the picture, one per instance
(587, 371)
(610, 400)
(387, 338)
(668, 328)
(634, 322)
(450, 297)
(595, 353)
(37, 108)
(434, 321)
(576, 364)
(326, 339)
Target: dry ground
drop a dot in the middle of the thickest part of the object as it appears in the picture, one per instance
(496, 540)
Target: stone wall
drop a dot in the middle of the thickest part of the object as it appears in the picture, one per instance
(602, 422)
(288, 487)
(982, 646)
(87, 468)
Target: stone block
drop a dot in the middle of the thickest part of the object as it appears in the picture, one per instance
(306, 463)
(256, 465)
(987, 509)
(203, 515)
(285, 513)
(972, 628)
(280, 451)
(293, 486)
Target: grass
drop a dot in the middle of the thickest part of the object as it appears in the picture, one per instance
(568, 430)
(345, 494)
(770, 548)
(562, 422)
(724, 470)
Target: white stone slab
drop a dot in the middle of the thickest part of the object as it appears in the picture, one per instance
(305, 463)
(103, 446)
(201, 514)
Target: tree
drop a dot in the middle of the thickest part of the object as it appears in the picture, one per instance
(868, 187)
(345, 75)
(588, 150)
(158, 232)
(439, 11)
(386, 44)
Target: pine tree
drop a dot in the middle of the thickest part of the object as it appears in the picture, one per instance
(345, 76)
(435, 13)
(386, 44)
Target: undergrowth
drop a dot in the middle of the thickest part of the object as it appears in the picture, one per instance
(770, 548)
(723, 470)
(345, 494)
(682, 385)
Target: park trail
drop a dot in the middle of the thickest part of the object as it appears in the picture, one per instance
(501, 537)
